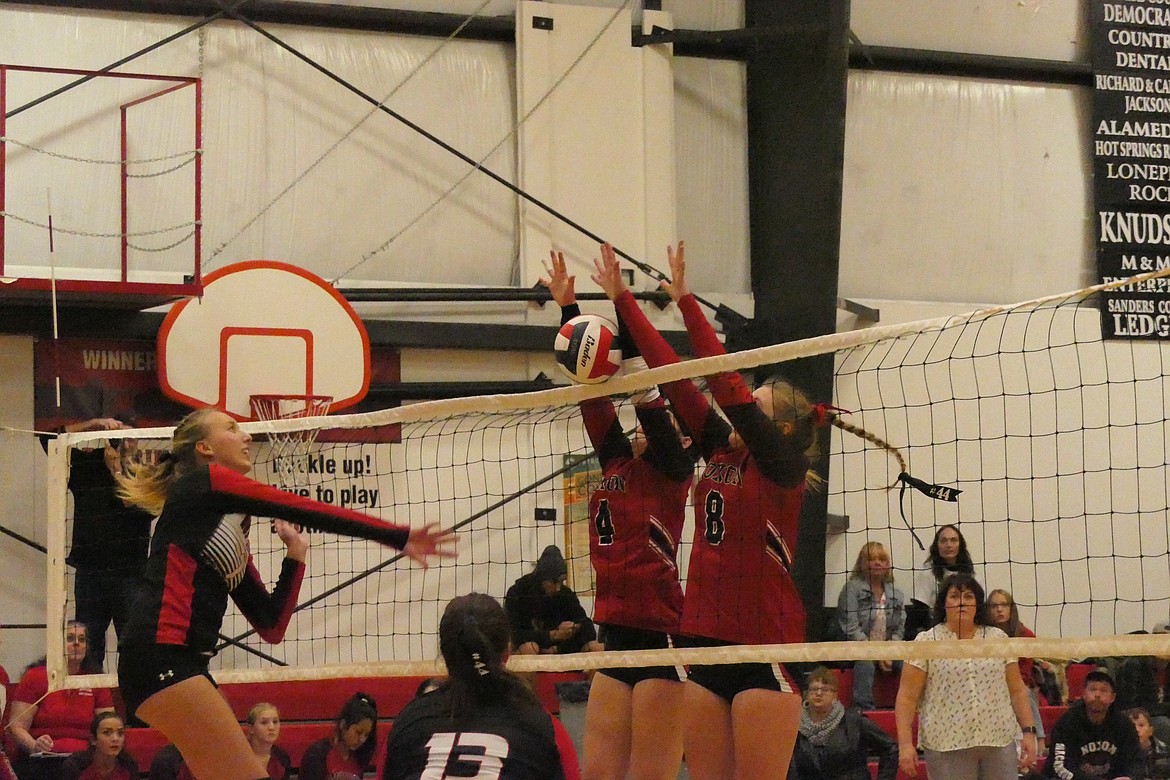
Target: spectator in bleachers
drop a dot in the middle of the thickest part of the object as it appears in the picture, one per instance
(1093, 739)
(970, 710)
(1003, 613)
(348, 753)
(110, 537)
(263, 728)
(546, 615)
(105, 758)
(948, 555)
(168, 764)
(871, 607)
(1154, 751)
(47, 727)
(835, 742)
(481, 721)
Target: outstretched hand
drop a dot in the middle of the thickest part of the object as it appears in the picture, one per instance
(677, 285)
(429, 542)
(609, 274)
(558, 281)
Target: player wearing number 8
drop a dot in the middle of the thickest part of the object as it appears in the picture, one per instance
(740, 720)
(636, 512)
(481, 721)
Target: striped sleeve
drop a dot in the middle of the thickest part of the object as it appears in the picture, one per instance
(237, 493)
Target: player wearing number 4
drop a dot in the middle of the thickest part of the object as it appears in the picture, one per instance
(198, 558)
(740, 720)
(481, 721)
(633, 721)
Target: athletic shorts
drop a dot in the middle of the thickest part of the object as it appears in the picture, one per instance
(728, 680)
(144, 671)
(626, 638)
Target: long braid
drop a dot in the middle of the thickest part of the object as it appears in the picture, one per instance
(835, 420)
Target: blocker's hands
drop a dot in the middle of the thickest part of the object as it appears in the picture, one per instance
(677, 286)
(558, 281)
(609, 274)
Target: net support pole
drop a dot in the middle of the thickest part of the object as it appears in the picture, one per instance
(58, 477)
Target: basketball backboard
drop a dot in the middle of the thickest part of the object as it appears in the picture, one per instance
(263, 327)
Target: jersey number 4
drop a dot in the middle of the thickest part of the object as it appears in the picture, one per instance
(604, 523)
(713, 526)
(486, 750)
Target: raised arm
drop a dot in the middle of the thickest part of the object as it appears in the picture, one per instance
(601, 420)
(691, 405)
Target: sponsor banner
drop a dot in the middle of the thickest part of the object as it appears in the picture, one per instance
(1131, 161)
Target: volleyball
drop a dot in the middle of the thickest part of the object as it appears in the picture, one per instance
(586, 349)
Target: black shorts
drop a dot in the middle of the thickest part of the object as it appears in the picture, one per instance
(626, 638)
(146, 670)
(728, 680)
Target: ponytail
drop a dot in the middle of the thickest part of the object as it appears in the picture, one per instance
(148, 484)
(474, 638)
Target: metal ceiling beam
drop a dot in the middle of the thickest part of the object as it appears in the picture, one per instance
(704, 44)
(74, 322)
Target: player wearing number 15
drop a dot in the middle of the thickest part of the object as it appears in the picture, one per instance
(481, 721)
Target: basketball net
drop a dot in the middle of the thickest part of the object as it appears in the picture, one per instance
(290, 449)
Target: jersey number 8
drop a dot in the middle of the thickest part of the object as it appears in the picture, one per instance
(713, 525)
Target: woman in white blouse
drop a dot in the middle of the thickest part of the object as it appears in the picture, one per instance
(970, 710)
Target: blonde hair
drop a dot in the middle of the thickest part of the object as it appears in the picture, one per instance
(790, 405)
(868, 552)
(259, 707)
(148, 483)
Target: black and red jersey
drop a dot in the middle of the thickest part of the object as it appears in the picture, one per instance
(747, 501)
(636, 517)
(514, 740)
(199, 557)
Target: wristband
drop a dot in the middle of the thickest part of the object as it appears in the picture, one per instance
(1029, 729)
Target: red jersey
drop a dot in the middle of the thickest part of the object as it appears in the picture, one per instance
(64, 715)
(636, 518)
(747, 502)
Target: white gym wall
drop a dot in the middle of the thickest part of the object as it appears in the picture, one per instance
(957, 192)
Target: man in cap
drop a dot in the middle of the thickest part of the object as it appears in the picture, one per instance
(1091, 740)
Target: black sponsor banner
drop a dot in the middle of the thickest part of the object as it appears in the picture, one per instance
(1131, 162)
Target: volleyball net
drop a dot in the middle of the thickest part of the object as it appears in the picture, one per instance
(1057, 439)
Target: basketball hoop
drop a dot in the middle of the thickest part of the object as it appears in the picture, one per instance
(290, 449)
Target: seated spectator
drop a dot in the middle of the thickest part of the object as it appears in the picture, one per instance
(263, 729)
(948, 555)
(1154, 751)
(105, 758)
(481, 721)
(168, 764)
(1003, 613)
(347, 754)
(1091, 739)
(546, 616)
(870, 607)
(47, 727)
(834, 743)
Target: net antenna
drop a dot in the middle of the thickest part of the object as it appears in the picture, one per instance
(290, 449)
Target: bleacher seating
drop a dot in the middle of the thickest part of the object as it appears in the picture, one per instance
(308, 708)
